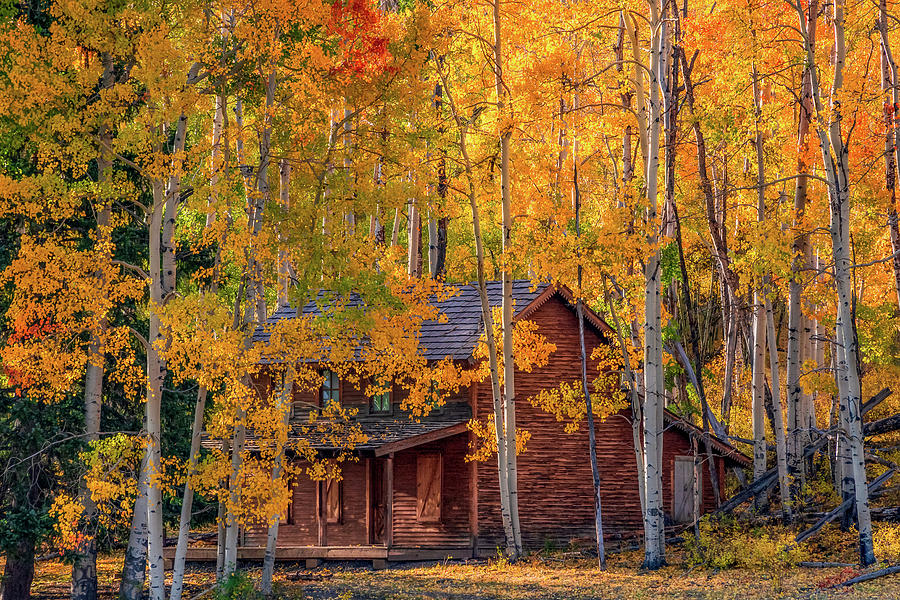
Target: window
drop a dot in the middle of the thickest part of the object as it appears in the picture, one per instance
(436, 398)
(381, 402)
(331, 388)
(428, 487)
(333, 489)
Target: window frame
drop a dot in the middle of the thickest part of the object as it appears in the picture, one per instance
(390, 402)
(331, 385)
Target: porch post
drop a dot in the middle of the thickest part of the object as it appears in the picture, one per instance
(320, 516)
(389, 501)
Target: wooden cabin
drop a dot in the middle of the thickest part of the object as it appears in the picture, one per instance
(411, 495)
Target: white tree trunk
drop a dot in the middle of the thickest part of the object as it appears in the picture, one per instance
(284, 407)
(486, 316)
(134, 568)
(758, 381)
(413, 240)
(284, 281)
(234, 496)
(654, 380)
(184, 523)
(155, 380)
(778, 412)
(835, 157)
(509, 396)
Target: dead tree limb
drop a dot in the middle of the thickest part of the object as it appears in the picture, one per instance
(882, 426)
(875, 400)
(845, 506)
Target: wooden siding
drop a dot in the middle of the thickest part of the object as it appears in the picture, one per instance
(453, 528)
(303, 529)
(555, 484)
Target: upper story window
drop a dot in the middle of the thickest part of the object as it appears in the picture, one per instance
(331, 388)
(380, 402)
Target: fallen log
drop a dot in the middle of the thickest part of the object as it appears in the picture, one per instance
(770, 477)
(824, 565)
(870, 576)
(886, 425)
(886, 514)
(765, 481)
(845, 506)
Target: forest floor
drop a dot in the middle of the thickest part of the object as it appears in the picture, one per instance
(544, 577)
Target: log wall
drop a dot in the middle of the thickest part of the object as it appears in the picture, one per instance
(555, 483)
(453, 529)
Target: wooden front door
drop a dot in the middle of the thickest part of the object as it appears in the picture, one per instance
(378, 496)
(683, 489)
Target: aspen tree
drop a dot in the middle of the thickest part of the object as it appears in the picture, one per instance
(835, 154)
(800, 248)
(649, 111)
(463, 124)
(759, 316)
(504, 117)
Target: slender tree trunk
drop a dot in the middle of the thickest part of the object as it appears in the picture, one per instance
(835, 157)
(794, 354)
(627, 176)
(440, 251)
(155, 380)
(844, 461)
(509, 367)
(758, 379)
(284, 280)
(487, 318)
(184, 524)
(284, 407)
(778, 420)
(84, 565)
(234, 496)
(221, 518)
(759, 317)
(589, 407)
(254, 312)
(413, 239)
(891, 139)
(697, 495)
(395, 230)
(650, 116)
(134, 566)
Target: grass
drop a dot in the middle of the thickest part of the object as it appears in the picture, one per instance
(542, 577)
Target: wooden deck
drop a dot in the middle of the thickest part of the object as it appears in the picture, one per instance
(208, 553)
(379, 555)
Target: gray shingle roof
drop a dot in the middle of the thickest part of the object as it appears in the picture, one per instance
(380, 430)
(454, 339)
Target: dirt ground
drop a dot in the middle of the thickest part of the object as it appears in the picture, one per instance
(541, 577)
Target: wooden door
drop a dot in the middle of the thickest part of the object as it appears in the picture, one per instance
(378, 496)
(683, 489)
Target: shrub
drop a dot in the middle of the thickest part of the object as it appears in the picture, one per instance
(728, 544)
(887, 542)
(238, 587)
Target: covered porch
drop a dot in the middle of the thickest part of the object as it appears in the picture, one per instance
(407, 496)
